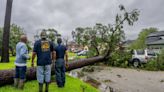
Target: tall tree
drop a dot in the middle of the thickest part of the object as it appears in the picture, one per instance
(77, 35)
(140, 42)
(1, 34)
(5, 43)
(66, 40)
(51, 33)
(15, 33)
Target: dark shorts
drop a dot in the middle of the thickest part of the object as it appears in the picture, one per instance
(20, 72)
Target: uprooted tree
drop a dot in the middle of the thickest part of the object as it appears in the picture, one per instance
(104, 39)
(6, 76)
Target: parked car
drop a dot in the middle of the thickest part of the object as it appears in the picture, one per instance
(77, 51)
(82, 53)
(141, 57)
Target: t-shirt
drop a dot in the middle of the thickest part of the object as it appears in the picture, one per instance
(60, 51)
(43, 49)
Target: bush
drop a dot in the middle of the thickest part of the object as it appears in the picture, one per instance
(91, 53)
(157, 64)
(120, 59)
(151, 65)
(160, 60)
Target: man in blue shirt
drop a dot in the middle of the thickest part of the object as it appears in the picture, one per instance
(44, 50)
(20, 62)
(60, 54)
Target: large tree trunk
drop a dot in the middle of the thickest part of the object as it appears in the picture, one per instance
(5, 43)
(6, 76)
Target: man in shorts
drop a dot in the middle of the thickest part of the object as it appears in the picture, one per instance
(44, 49)
(20, 62)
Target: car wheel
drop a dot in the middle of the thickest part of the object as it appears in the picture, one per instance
(136, 63)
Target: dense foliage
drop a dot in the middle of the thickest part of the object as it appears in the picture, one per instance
(15, 33)
(105, 39)
(140, 42)
(120, 58)
(157, 64)
(52, 34)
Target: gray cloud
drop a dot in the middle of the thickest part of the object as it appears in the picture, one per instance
(66, 15)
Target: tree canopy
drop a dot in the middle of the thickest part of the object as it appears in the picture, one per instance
(15, 33)
(52, 34)
(140, 42)
(104, 39)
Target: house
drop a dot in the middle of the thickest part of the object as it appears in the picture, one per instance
(74, 47)
(127, 43)
(155, 41)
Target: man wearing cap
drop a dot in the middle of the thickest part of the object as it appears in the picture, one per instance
(20, 62)
(44, 49)
(60, 63)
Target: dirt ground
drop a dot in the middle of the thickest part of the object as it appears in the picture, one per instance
(130, 80)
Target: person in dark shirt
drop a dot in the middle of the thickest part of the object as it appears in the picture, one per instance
(44, 50)
(60, 64)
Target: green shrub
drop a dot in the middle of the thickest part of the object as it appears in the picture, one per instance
(151, 65)
(120, 59)
(160, 60)
(157, 64)
(91, 53)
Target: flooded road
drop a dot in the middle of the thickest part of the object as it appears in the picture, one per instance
(109, 79)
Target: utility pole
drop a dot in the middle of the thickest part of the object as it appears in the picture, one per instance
(6, 32)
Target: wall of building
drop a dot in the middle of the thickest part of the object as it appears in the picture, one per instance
(156, 48)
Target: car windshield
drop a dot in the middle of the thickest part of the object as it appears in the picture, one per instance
(140, 52)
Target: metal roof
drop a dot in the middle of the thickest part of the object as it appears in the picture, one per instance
(155, 34)
(158, 42)
(152, 39)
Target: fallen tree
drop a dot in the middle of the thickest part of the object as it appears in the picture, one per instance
(101, 39)
(6, 76)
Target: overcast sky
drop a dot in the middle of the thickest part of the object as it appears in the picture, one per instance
(66, 15)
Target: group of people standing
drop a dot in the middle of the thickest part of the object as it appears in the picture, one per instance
(47, 54)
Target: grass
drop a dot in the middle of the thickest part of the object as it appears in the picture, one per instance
(72, 84)
(11, 65)
(71, 54)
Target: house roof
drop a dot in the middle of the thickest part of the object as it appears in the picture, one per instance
(128, 41)
(155, 38)
(152, 39)
(155, 34)
(158, 42)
